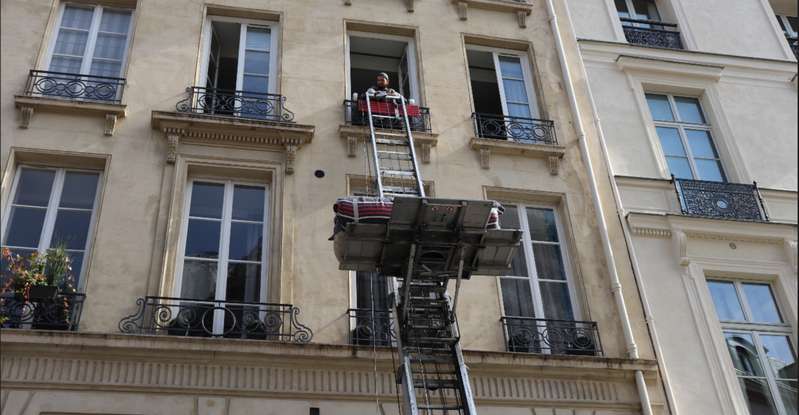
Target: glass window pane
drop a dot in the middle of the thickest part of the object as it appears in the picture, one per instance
(63, 64)
(71, 229)
(701, 144)
(780, 355)
(788, 392)
(659, 107)
(199, 280)
(257, 84)
(258, 38)
(516, 297)
(670, 141)
(679, 167)
(542, 224)
(758, 396)
(549, 262)
(725, 298)
(248, 203)
(557, 303)
(25, 226)
(34, 187)
(646, 9)
(246, 241)
(744, 354)
(710, 170)
(761, 302)
(515, 91)
(110, 46)
(202, 238)
(77, 17)
(105, 68)
(519, 110)
(244, 282)
(256, 62)
(71, 42)
(518, 264)
(77, 266)
(689, 110)
(79, 190)
(115, 21)
(206, 200)
(511, 67)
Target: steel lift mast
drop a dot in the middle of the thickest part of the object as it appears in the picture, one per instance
(426, 243)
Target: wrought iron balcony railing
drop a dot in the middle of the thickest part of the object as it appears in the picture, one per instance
(200, 318)
(518, 129)
(59, 313)
(652, 33)
(371, 327)
(532, 335)
(75, 86)
(355, 114)
(720, 200)
(240, 104)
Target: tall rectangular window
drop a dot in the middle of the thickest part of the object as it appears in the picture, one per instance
(373, 53)
(637, 10)
(685, 137)
(223, 254)
(52, 208)
(502, 82)
(759, 343)
(91, 40)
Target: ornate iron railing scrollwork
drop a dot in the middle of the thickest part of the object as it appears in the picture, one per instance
(720, 200)
(532, 335)
(188, 317)
(652, 33)
(518, 129)
(240, 104)
(75, 86)
(59, 313)
(354, 116)
(371, 327)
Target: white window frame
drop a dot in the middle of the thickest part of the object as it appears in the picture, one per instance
(634, 13)
(220, 292)
(755, 329)
(786, 27)
(91, 41)
(527, 71)
(274, 34)
(410, 53)
(51, 213)
(532, 271)
(681, 126)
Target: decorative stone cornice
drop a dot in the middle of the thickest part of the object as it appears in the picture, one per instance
(28, 105)
(651, 232)
(231, 132)
(356, 135)
(86, 361)
(522, 9)
(488, 146)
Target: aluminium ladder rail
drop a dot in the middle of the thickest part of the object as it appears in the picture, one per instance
(432, 371)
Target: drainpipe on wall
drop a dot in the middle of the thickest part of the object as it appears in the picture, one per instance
(616, 289)
(625, 226)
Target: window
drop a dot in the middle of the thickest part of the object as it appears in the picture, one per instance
(223, 254)
(91, 40)
(637, 10)
(759, 344)
(789, 26)
(51, 208)
(371, 53)
(539, 285)
(685, 138)
(502, 83)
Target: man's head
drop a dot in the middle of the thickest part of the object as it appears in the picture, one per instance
(382, 80)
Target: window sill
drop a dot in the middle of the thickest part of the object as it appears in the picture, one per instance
(488, 146)
(231, 132)
(28, 104)
(355, 134)
(522, 10)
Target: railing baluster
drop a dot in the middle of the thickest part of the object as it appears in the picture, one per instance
(532, 335)
(237, 104)
(720, 200)
(518, 129)
(81, 87)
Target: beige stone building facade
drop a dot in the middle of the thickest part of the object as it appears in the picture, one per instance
(187, 153)
(695, 106)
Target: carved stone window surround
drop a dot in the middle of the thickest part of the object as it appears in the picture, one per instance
(488, 146)
(29, 105)
(355, 135)
(231, 132)
(521, 9)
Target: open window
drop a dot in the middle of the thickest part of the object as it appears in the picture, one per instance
(371, 53)
(238, 71)
(505, 101)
